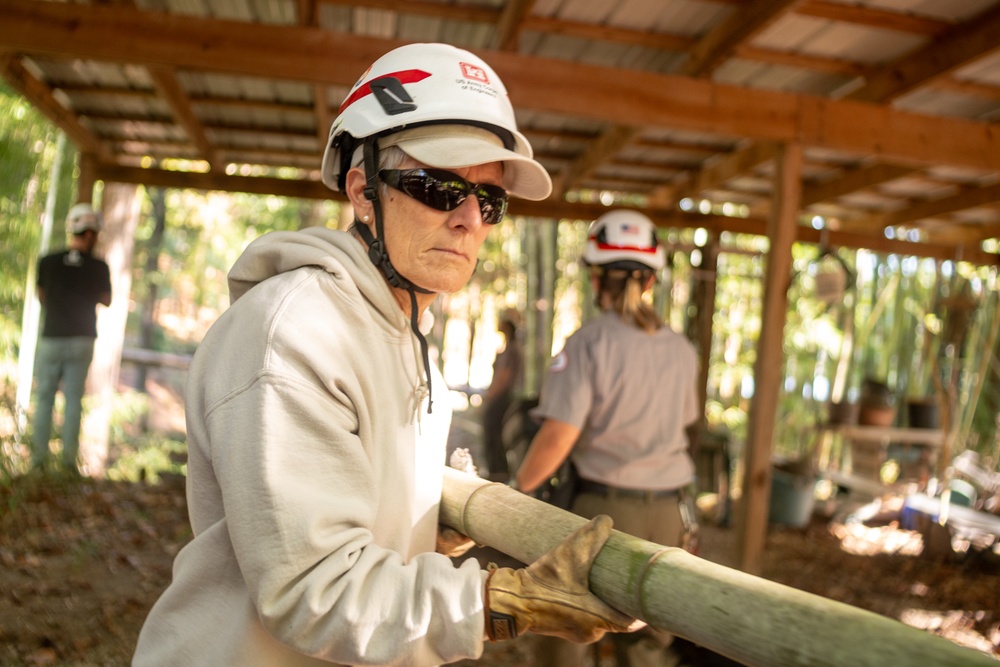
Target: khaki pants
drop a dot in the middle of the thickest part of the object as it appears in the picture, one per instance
(656, 520)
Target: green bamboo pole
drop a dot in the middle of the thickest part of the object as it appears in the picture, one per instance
(747, 618)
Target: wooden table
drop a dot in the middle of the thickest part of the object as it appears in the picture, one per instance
(869, 447)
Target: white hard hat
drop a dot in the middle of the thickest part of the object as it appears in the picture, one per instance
(83, 217)
(444, 107)
(625, 239)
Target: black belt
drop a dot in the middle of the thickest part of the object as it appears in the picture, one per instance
(598, 489)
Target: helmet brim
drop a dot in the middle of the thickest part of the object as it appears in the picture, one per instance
(452, 146)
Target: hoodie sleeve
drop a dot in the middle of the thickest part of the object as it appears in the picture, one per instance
(299, 493)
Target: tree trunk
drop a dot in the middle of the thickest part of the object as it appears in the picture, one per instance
(120, 208)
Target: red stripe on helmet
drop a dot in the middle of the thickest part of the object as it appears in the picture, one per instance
(404, 76)
(630, 248)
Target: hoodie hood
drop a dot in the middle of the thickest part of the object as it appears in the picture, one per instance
(338, 253)
(345, 258)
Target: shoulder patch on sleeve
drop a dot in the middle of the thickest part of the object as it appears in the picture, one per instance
(559, 362)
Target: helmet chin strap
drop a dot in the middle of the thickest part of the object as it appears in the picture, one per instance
(379, 256)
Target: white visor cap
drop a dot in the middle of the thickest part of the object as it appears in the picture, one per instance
(457, 146)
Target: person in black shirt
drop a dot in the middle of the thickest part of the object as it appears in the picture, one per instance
(70, 285)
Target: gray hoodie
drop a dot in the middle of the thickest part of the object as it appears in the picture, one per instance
(314, 478)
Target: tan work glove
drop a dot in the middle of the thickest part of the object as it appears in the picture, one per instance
(452, 543)
(551, 596)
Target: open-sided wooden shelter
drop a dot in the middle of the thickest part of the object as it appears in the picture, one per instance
(879, 116)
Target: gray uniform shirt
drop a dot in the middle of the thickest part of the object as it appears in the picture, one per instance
(632, 393)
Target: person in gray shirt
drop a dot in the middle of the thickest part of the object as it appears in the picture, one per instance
(617, 400)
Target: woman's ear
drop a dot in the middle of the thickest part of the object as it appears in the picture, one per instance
(354, 188)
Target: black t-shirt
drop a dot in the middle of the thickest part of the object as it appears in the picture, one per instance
(73, 282)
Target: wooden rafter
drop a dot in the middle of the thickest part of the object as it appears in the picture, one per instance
(971, 198)
(608, 143)
(938, 58)
(718, 170)
(799, 60)
(970, 88)
(306, 12)
(872, 17)
(510, 24)
(38, 94)
(853, 180)
(324, 115)
(605, 33)
(457, 12)
(166, 81)
(724, 39)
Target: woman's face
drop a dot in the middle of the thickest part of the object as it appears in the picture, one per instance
(436, 250)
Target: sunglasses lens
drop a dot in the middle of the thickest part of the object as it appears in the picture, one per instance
(445, 191)
(492, 203)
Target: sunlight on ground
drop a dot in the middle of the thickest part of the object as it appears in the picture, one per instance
(862, 540)
(958, 625)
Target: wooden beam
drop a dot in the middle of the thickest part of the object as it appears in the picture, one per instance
(306, 12)
(605, 33)
(510, 24)
(801, 61)
(970, 198)
(261, 185)
(168, 85)
(607, 144)
(883, 19)
(985, 91)
(743, 160)
(36, 92)
(716, 171)
(741, 26)
(548, 85)
(666, 217)
(977, 38)
(852, 181)
(324, 115)
(768, 367)
(454, 12)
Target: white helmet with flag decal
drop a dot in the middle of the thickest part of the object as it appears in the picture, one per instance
(624, 239)
(442, 106)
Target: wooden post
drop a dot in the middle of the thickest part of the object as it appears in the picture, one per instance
(752, 518)
(754, 621)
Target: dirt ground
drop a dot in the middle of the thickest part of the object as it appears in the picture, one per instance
(84, 560)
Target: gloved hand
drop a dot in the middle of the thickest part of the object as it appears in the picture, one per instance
(552, 596)
(452, 543)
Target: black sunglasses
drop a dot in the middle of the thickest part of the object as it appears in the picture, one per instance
(445, 191)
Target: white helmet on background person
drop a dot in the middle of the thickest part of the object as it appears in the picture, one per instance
(442, 106)
(82, 217)
(624, 239)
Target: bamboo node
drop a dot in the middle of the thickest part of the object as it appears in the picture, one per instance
(640, 585)
(465, 507)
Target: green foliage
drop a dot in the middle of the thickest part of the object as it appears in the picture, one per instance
(138, 454)
(28, 145)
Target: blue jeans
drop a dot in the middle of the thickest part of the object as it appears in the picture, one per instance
(66, 360)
